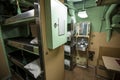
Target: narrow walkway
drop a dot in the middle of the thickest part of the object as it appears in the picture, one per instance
(79, 73)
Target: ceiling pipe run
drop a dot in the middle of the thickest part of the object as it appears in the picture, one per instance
(25, 3)
(107, 18)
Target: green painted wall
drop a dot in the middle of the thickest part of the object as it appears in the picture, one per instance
(13, 31)
(95, 16)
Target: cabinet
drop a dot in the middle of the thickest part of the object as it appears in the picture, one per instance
(25, 57)
(82, 35)
(69, 48)
(56, 20)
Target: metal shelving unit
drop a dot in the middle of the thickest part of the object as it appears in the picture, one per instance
(24, 44)
(82, 36)
(22, 58)
(27, 52)
(69, 49)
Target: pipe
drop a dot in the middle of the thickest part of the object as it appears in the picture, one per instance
(103, 17)
(26, 3)
(107, 18)
(18, 7)
(72, 12)
(23, 3)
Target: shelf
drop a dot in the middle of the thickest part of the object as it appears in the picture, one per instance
(83, 66)
(18, 59)
(20, 74)
(82, 36)
(24, 44)
(70, 44)
(67, 54)
(23, 17)
(17, 76)
(22, 57)
(20, 21)
(81, 49)
(70, 66)
(15, 73)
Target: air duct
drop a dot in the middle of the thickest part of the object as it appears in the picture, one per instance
(108, 24)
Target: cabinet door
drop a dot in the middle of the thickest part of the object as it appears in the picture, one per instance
(56, 18)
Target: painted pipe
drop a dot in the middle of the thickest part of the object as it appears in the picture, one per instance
(26, 3)
(107, 18)
(72, 12)
(23, 3)
(103, 17)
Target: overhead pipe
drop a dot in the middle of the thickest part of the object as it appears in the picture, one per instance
(24, 3)
(107, 18)
(72, 12)
(103, 17)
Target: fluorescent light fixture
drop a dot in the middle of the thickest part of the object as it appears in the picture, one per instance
(82, 14)
(74, 0)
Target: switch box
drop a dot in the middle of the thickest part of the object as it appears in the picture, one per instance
(56, 23)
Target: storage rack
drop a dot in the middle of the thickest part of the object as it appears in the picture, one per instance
(70, 46)
(23, 52)
(82, 36)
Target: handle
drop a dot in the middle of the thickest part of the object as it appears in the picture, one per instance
(56, 24)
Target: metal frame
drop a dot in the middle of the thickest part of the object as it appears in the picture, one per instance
(21, 16)
(33, 14)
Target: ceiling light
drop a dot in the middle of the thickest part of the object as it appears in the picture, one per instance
(74, 0)
(82, 14)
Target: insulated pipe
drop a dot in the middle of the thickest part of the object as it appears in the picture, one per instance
(103, 17)
(23, 3)
(26, 3)
(107, 18)
(72, 12)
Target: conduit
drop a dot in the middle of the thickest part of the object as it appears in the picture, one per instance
(103, 17)
(107, 18)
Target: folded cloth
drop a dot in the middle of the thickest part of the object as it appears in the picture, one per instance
(34, 68)
(67, 48)
(34, 41)
(67, 62)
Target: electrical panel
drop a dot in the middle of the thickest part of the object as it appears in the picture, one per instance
(56, 23)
